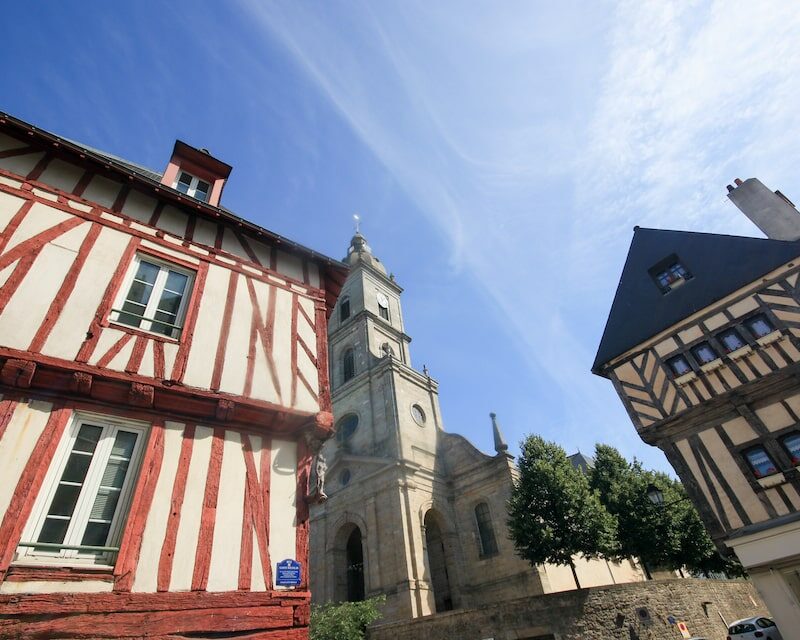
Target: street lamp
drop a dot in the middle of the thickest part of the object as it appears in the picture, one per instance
(657, 496)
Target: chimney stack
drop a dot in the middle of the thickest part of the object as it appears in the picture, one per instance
(772, 212)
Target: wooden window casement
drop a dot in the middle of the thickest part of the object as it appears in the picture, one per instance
(79, 514)
(344, 309)
(154, 297)
(679, 365)
(791, 444)
(486, 537)
(192, 186)
(348, 365)
(760, 462)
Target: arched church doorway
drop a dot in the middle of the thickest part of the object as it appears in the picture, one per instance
(437, 563)
(349, 564)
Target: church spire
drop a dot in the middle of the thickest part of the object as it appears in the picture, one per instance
(499, 442)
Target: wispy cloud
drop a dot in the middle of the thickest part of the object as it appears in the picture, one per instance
(534, 139)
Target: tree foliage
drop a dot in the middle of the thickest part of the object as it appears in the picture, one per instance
(671, 536)
(553, 512)
(344, 620)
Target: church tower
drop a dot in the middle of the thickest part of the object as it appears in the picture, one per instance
(409, 511)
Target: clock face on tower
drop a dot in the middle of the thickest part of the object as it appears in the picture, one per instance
(383, 301)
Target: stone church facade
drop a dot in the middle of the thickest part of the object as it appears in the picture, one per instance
(409, 510)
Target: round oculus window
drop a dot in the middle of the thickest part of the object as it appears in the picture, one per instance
(418, 414)
(344, 477)
(347, 426)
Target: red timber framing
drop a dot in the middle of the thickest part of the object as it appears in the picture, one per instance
(77, 385)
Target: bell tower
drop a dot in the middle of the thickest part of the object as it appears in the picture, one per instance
(367, 535)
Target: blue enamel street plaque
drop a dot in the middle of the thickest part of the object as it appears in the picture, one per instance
(287, 573)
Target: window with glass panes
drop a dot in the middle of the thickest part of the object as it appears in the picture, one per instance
(704, 353)
(731, 340)
(82, 506)
(348, 365)
(679, 365)
(192, 186)
(156, 294)
(760, 462)
(759, 326)
(792, 445)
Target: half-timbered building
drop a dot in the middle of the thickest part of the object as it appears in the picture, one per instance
(163, 386)
(702, 345)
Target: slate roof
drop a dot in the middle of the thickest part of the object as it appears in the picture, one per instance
(719, 264)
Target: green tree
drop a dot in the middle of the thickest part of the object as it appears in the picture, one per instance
(344, 620)
(670, 536)
(553, 513)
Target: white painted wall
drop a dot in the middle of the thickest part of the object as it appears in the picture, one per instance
(17, 443)
(146, 578)
(223, 573)
(189, 528)
(282, 513)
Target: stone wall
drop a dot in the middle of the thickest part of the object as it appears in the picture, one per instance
(634, 611)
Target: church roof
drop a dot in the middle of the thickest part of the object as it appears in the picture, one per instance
(717, 264)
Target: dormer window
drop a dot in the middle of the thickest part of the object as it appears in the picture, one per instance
(670, 273)
(192, 186)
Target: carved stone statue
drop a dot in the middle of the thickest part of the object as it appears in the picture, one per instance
(320, 468)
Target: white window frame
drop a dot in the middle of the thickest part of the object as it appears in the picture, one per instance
(192, 191)
(155, 297)
(80, 515)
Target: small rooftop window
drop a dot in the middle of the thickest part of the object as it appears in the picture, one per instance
(670, 273)
(192, 186)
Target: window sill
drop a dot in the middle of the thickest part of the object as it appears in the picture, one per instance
(772, 480)
(59, 573)
(740, 353)
(768, 339)
(152, 335)
(711, 366)
(685, 378)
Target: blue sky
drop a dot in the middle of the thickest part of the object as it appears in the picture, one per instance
(499, 153)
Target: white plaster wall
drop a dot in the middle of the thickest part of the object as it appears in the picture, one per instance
(782, 604)
(282, 352)
(173, 221)
(233, 373)
(189, 528)
(70, 329)
(205, 232)
(155, 529)
(102, 191)
(223, 573)
(9, 205)
(39, 218)
(200, 365)
(9, 142)
(282, 514)
(21, 165)
(231, 244)
(48, 586)
(61, 175)
(17, 443)
(25, 311)
(138, 205)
